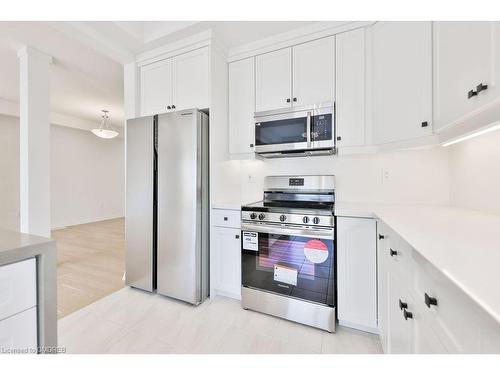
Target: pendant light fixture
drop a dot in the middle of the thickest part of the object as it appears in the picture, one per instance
(105, 130)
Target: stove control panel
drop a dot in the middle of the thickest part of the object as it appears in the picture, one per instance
(289, 218)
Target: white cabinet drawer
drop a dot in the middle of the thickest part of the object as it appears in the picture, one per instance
(226, 218)
(399, 254)
(454, 319)
(17, 287)
(19, 333)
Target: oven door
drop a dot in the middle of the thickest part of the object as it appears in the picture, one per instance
(289, 260)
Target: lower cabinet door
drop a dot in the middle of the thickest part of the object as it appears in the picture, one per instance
(400, 318)
(18, 334)
(227, 249)
(357, 273)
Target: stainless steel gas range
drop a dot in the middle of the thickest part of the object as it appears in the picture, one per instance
(288, 250)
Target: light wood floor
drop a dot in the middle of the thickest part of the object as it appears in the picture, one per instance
(91, 262)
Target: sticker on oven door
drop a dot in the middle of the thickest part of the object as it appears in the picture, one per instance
(285, 274)
(251, 241)
(316, 251)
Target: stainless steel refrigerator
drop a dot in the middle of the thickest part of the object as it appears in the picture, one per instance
(167, 219)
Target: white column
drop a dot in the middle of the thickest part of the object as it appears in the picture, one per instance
(34, 135)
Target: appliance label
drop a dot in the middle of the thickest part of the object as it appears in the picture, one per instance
(251, 241)
(316, 251)
(285, 274)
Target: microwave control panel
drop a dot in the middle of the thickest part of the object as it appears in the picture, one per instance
(322, 127)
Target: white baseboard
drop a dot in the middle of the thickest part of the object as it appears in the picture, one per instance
(85, 221)
(359, 327)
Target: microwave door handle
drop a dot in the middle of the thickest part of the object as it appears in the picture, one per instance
(308, 129)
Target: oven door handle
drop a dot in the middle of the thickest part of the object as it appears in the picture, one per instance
(308, 129)
(298, 231)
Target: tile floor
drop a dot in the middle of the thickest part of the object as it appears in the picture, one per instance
(132, 321)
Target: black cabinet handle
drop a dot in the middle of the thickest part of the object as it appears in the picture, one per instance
(430, 301)
(237, 236)
(339, 138)
(173, 106)
(169, 107)
(425, 124)
(481, 87)
(288, 100)
(393, 252)
(225, 218)
(294, 99)
(381, 236)
(251, 144)
(407, 314)
(402, 305)
(471, 93)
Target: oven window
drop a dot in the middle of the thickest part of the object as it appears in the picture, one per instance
(295, 266)
(281, 131)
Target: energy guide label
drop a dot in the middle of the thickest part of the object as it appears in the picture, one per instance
(251, 241)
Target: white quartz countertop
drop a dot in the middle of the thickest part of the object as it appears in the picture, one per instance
(463, 244)
(355, 209)
(227, 206)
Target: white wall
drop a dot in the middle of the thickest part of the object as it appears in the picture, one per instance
(416, 176)
(475, 173)
(9, 172)
(87, 176)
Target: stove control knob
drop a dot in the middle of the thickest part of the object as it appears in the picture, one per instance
(316, 220)
(262, 216)
(282, 218)
(253, 215)
(305, 219)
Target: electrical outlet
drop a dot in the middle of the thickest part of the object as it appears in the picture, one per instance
(386, 175)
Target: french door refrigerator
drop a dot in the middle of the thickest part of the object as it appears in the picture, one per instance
(167, 204)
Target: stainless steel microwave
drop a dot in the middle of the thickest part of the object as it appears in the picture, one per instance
(295, 131)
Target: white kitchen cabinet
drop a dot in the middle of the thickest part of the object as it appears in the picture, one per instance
(176, 83)
(191, 77)
(357, 273)
(241, 106)
(400, 319)
(466, 54)
(156, 87)
(313, 72)
(19, 332)
(273, 80)
(17, 287)
(350, 88)
(226, 252)
(228, 248)
(401, 81)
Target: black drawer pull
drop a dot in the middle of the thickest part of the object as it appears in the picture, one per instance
(407, 314)
(173, 106)
(339, 138)
(237, 236)
(288, 100)
(393, 252)
(225, 218)
(381, 236)
(294, 99)
(251, 144)
(481, 87)
(169, 107)
(430, 301)
(471, 93)
(402, 305)
(425, 124)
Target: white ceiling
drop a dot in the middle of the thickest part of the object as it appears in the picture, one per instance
(87, 74)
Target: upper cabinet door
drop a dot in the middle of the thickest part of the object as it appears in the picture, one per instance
(465, 56)
(241, 106)
(350, 88)
(156, 87)
(191, 72)
(401, 80)
(273, 80)
(314, 72)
